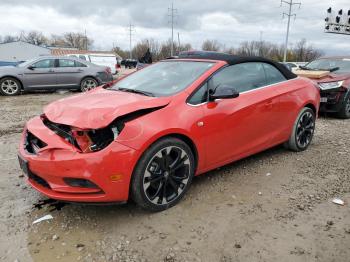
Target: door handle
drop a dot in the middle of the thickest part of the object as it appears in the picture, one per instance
(80, 70)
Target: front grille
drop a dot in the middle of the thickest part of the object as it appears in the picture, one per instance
(332, 97)
(32, 144)
(38, 180)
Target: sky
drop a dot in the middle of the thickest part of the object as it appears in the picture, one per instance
(228, 21)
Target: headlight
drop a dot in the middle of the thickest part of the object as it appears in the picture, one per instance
(330, 85)
(96, 140)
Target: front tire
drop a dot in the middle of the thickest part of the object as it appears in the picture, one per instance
(10, 86)
(163, 175)
(344, 112)
(303, 131)
(88, 84)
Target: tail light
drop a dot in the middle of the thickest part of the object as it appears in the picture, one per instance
(117, 66)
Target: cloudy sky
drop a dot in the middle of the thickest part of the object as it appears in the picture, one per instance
(230, 22)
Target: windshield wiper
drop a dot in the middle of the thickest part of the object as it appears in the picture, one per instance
(319, 69)
(334, 69)
(304, 68)
(136, 91)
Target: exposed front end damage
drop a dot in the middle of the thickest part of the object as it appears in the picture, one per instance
(58, 168)
(75, 164)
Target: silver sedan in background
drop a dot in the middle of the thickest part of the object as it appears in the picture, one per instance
(52, 73)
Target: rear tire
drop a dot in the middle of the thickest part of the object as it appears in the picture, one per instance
(88, 83)
(303, 131)
(163, 175)
(10, 86)
(344, 112)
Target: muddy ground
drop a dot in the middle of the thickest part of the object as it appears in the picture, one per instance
(274, 206)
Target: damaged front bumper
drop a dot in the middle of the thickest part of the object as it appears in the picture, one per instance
(332, 100)
(57, 169)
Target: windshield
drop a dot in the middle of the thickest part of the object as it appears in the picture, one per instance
(164, 78)
(343, 65)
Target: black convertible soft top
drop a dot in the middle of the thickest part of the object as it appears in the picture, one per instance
(233, 59)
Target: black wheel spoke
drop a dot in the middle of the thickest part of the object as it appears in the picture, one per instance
(173, 184)
(154, 178)
(165, 159)
(179, 163)
(158, 192)
(164, 193)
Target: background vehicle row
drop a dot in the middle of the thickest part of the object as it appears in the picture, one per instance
(50, 73)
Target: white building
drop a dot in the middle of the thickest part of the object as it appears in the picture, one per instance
(21, 51)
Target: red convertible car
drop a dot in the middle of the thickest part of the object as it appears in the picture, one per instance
(145, 136)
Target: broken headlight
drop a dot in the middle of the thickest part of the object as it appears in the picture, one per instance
(96, 139)
(330, 85)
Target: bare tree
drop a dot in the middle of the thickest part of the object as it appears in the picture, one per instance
(35, 38)
(142, 46)
(184, 47)
(57, 40)
(211, 45)
(304, 52)
(123, 53)
(77, 40)
(10, 38)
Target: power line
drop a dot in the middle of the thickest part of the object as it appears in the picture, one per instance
(172, 13)
(291, 4)
(130, 31)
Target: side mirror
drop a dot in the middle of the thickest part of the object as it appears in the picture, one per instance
(223, 92)
(31, 67)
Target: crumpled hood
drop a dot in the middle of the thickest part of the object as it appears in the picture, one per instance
(99, 107)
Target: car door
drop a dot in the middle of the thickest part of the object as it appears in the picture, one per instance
(40, 74)
(237, 127)
(283, 99)
(69, 72)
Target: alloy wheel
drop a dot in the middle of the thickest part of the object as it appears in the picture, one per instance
(305, 129)
(166, 175)
(9, 87)
(88, 84)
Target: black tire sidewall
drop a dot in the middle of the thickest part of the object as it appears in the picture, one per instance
(13, 79)
(137, 192)
(342, 113)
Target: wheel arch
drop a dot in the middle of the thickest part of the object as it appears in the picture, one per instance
(187, 140)
(14, 77)
(312, 107)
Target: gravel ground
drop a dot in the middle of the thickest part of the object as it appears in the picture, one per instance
(274, 206)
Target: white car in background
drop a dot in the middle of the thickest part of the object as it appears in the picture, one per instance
(109, 60)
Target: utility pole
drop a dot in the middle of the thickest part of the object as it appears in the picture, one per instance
(178, 41)
(86, 41)
(130, 30)
(172, 14)
(291, 4)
